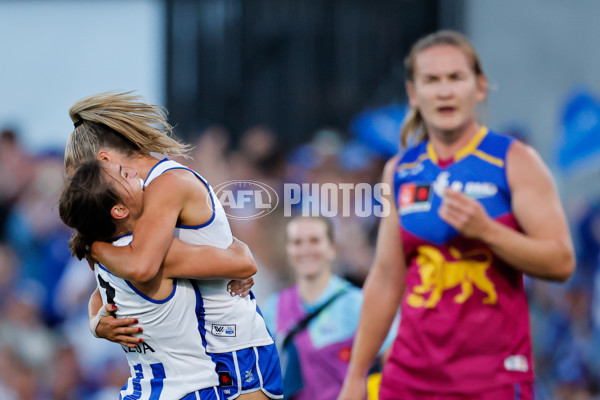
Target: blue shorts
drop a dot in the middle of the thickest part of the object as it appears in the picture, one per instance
(249, 370)
(213, 393)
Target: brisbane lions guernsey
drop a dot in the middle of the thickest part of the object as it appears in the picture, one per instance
(227, 323)
(465, 320)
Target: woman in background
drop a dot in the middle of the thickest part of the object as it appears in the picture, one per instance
(318, 349)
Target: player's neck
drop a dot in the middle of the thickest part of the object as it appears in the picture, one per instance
(310, 288)
(446, 144)
(125, 225)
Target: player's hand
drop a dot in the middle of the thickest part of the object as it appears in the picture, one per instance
(119, 330)
(353, 389)
(464, 214)
(241, 288)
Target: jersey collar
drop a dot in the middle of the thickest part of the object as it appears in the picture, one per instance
(468, 149)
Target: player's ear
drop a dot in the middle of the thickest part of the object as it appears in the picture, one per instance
(411, 93)
(119, 211)
(482, 87)
(104, 155)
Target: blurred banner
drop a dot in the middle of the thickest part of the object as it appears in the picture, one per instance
(379, 128)
(578, 146)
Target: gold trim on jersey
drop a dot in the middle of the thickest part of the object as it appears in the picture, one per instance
(489, 158)
(431, 152)
(469, 148)
(413, 164)
(472, 145)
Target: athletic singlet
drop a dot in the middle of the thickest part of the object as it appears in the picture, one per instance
(227, 323)
(465, 320)
(171, 361)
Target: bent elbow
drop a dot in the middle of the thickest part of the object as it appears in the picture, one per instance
(144, 274)
(250, 267)
(566, 268)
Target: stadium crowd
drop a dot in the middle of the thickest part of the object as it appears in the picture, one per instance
(47, 351)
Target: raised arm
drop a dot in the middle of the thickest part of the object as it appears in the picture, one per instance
(383, 291)
(163, 201)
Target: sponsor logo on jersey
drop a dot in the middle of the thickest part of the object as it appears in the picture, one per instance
(475, 190)
(479, 190)
(223, 330)
(225, 378)
(441, 183)
(142, 348)
(516, 363)
(414, 197)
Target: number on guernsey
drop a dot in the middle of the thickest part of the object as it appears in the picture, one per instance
(156, 383)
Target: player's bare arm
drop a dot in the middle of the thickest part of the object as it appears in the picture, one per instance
(141, 260)
(207, 262)
(118, 330)
(201, 262)
(544, 248)
(383, 291)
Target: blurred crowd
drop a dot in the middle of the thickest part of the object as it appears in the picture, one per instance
(47, 351)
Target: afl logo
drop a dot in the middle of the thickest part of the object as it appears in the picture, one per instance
(246, 199)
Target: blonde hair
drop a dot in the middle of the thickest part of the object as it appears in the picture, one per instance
(122, 122)
(413, 126)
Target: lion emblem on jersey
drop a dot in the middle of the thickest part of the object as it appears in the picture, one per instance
(438, 274)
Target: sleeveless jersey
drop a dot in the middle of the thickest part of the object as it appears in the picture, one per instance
(171, 362)
(465, 320)
(227, 323)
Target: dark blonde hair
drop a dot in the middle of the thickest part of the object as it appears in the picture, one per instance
(413, 126)
(119, 121)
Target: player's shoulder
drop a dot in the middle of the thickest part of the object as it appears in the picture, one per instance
(171, 169)
(411, 158)
(519, 149)
(524, 158)
(175, 181)
(181, 174)
(392, 162)
(390, 168)
(497, 144)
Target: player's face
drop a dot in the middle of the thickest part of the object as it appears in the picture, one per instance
(445, 89)
(128, 184)
(310, 252)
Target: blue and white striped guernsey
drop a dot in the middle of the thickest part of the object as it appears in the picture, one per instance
(172, 361)
(226, 323)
